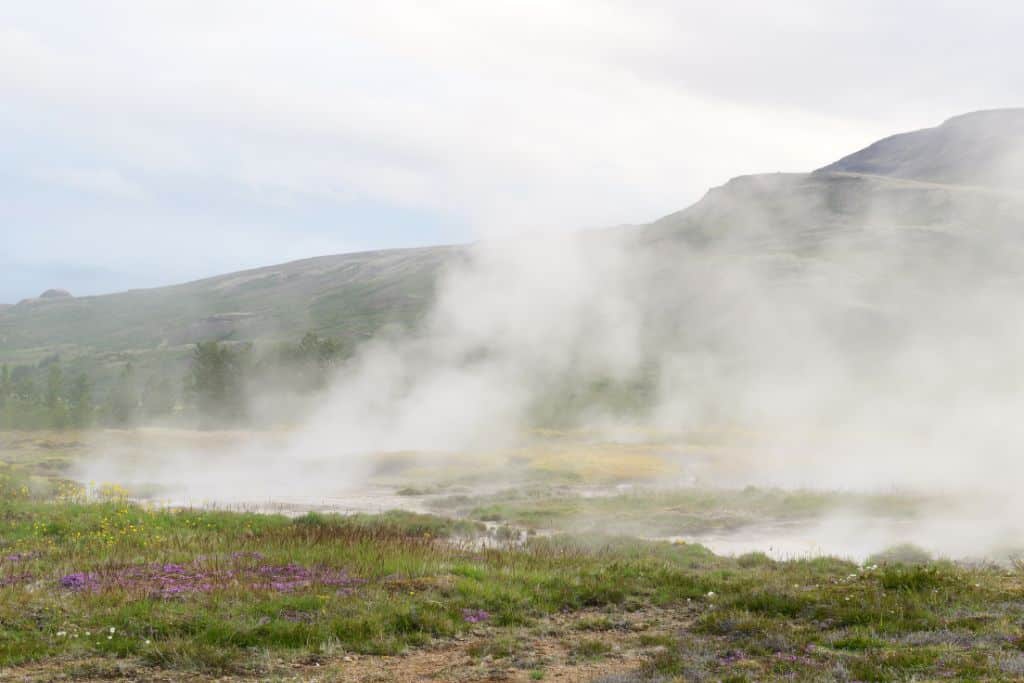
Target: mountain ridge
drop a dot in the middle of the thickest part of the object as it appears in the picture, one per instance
(982, 148)
(904, 178)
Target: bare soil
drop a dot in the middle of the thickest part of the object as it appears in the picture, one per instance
(548, 651)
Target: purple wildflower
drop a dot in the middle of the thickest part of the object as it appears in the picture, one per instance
(167, 580)
(79, 581)
(475, 616)
(21, 557)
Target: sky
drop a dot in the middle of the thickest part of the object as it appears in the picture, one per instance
(145, 143)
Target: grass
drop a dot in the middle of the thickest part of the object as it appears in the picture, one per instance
(590, 648)
(652, 512)
(216, 593)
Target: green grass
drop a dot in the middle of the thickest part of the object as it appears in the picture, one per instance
(744, 617)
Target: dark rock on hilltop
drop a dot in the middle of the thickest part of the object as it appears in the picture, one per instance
(48, 295)
(56, 294)
(220, 326)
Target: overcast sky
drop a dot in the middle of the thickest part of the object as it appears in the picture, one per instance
(145, 143)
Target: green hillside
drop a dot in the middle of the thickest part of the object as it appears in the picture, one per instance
(944, 200)
(348, 296)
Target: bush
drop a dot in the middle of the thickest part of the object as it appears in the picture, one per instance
(905, 553)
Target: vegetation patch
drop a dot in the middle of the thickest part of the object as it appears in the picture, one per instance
(108, 587)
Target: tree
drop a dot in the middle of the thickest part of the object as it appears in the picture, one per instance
(6, 386)
(23, 388)
(216, 381)
(123, 400)
(158, 397)
(313, 359)
(80, 404)
(23, 408)
(54, 404)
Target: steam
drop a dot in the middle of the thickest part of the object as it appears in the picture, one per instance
(838, 331)
(510, 322)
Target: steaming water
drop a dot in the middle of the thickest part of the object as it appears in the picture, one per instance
(852, 538)
(372, 500)
(206, 473)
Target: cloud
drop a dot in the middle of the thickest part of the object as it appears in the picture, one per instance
(103, 181)
(501, 116)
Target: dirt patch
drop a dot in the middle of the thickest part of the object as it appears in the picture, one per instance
(577, 646)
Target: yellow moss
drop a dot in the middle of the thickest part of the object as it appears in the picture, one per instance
(603, 463)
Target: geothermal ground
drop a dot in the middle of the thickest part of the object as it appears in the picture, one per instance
(727, 496)
(565, 557)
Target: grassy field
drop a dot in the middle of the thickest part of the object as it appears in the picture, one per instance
(94, 587)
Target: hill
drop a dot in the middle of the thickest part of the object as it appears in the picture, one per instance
(915, 197)
(979, 149)
(349, 295)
